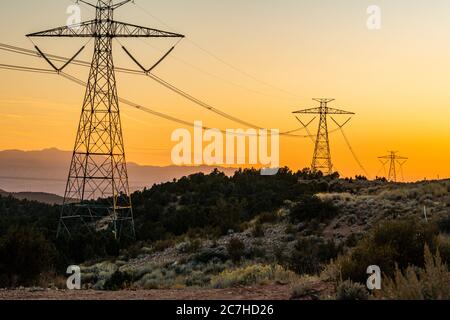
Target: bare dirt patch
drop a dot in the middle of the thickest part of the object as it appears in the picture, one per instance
(271, 292)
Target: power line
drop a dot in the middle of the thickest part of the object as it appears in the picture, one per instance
(208, 73)
(209, 107)
(354, 153)
(135, 105)
(153, 112)
(26, 69)
(229, 65)
(347, 141)
(123, 100)
(143, 108)
(215, 57)
(383, 168)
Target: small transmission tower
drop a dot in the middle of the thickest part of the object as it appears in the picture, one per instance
(97, 189)
(322, 155)
(393, 159)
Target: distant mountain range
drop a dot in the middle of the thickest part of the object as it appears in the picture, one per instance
(42, 174)
(48, 198)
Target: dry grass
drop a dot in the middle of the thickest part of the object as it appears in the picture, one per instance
(253, 274)
(305, 287)
(421, 191)
(431, 283)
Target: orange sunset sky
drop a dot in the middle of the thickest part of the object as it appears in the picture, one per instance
(258, 60)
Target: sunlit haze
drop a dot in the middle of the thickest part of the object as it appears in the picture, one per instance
(258, 60)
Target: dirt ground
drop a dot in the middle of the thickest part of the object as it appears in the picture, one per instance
(273, 292)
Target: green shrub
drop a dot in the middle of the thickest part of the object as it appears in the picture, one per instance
(99, 285)
(157, 279)
(256, 251)
(444, 248)
(280, 255)
(393, 242)
(291, 230)
(206, 255)
(236, 249)
(162, 245)
(194, 245)
(310, 254)
(349, 290)
(258, 230)
(132, 252)
(268, 217)
(139, 272)
(444, 225)
(118, 281)
(24, 255)
(198, 279)
(85, 246)
(353, 240)
(191, 246)
(216, 266)
(313, 208)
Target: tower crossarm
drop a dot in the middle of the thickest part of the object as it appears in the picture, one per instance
(119, 4)
(308, 111)
(103, 4)
(338, 111)
(393, 157)
(122, 29)
(83, 29)
(323, 110)
(118, 29)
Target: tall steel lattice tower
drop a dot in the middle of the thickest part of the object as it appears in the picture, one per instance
(97, 191)
(393, 159)
(322, 155)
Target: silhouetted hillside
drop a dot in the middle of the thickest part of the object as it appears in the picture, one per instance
(215, 231)
(42, 197)
(46, 171)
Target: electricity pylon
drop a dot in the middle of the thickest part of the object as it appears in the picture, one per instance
(393, 159)
(322, 155)
(97, 190)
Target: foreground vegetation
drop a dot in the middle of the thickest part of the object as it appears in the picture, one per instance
(315, 235)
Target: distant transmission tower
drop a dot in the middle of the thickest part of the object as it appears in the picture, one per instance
(97, 190)
(394, 160)
(322, 155)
